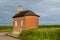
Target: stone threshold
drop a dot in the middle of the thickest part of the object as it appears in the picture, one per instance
(13, 35)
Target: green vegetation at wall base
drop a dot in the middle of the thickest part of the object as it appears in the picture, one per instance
(41, 34)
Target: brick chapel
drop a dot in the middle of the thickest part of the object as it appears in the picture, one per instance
(24, 19)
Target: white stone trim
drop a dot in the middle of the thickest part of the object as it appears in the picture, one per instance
(22, 23)
(15, 23)
(15, 32)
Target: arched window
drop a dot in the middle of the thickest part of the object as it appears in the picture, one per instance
(15, 23)
(22, 23)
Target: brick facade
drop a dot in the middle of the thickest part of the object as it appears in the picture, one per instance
(28, 22)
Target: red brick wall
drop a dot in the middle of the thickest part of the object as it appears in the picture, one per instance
(29, 23)
(18, 28)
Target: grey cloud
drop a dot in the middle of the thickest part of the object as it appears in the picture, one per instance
(49, 10)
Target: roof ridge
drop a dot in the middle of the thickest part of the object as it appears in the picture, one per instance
(25, 13)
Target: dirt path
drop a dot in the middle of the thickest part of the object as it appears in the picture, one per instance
(4, 37)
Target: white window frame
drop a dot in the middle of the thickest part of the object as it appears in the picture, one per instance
(15, 23)
(22, 23)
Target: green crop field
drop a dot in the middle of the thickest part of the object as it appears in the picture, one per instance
(44, 32)
(5, 28)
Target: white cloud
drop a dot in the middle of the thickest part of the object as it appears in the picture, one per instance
(3, 1)
(0, 19)
(44, 15)
(54, 8)
(51, 1)
(7, 12)
(54, 0)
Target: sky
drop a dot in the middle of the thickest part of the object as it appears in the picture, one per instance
(49, 10)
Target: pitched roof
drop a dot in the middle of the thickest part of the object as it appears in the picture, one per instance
(25, 13)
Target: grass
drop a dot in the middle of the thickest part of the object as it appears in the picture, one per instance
(42, 33)
(5, 28)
